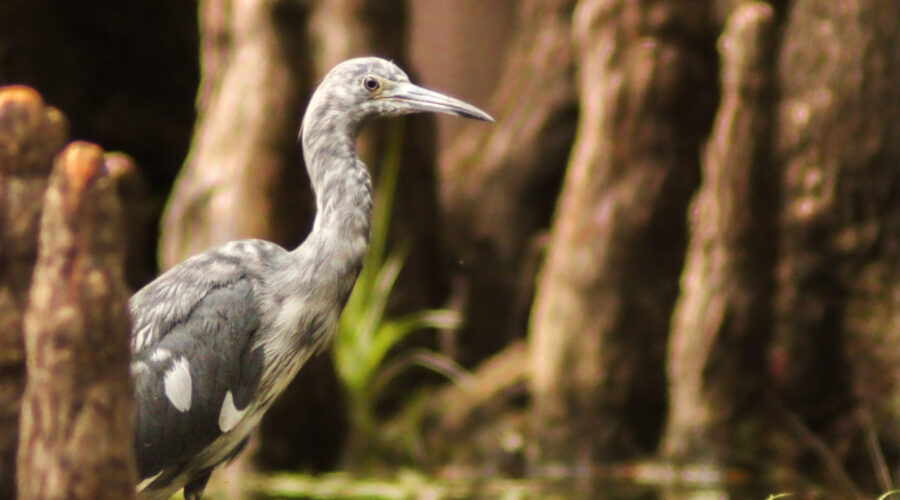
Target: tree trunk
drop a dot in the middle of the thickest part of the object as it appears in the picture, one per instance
(499, 186)
(836, 352)
(722, 319)
(241, 178)
(605, 293)
(76, 436)
(30, 135)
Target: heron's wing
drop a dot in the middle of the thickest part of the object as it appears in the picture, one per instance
(192, 346)
(173, 296)
(194, 383)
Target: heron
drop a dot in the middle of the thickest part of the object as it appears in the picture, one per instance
(219, 336)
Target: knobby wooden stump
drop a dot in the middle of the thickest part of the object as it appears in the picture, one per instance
(30, 135)
(604, 294)
(491, 176)
(721, 321)
(76, 420)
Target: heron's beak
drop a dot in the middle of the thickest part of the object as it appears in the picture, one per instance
(418, 99)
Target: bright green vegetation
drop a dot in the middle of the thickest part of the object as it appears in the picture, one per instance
(367, 334)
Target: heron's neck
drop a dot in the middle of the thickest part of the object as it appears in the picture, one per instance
(343, 190)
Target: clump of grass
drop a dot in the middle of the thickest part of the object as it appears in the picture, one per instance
(367, 335)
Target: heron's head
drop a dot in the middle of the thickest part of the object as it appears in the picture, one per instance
(368, 87)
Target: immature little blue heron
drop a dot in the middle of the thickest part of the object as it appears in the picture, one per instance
(218, 337)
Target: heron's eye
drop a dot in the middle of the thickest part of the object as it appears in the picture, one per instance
(371, 83)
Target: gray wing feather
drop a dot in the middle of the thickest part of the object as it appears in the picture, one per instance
(170, 298)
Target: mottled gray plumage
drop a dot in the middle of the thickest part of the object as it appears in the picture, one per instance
(219, 336)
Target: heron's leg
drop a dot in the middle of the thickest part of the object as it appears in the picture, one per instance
(194, 489)
(237, 450)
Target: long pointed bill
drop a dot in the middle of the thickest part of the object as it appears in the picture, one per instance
(416, 98)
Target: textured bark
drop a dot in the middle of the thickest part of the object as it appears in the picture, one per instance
(509, 172)
(137, 216)
(30, 135)
(76, 434)
(722, 321)
(836, 342)
(241, 178)
(605, 293)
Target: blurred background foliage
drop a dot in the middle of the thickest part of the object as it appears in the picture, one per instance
(677, 249)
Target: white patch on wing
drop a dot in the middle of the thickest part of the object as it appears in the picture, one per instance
(178, 385)
(160, 355)
(146, 482)
(229, 415)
